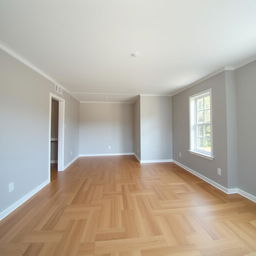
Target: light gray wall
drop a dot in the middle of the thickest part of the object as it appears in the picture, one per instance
(103, 125)
(232, 163)
(136, 122)
(71, 128)
(24, 122)
(219, 117)
(156, 127)
(245, 79)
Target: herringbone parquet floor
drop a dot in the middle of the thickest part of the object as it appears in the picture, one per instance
(115, 206)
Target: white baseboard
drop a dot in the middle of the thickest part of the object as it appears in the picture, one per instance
(107, 154)
(233, 191)
(138, 159)
(247, 195)
(129, 154)
(22, 200)
(217, 185)
(156, 161)
(26, 197)
(201, 176)
(153, 161)
(71, 162)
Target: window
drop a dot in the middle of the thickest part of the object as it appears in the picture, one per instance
(201, 124)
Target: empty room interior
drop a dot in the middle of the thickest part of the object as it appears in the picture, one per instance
(128, 127)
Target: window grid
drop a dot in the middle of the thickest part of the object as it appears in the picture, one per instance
(201, 124)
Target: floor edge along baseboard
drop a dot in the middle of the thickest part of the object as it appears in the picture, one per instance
(107, 154)
(30, 194)
(22, 200)
(70, 163)
(156, 161)
(226, 190)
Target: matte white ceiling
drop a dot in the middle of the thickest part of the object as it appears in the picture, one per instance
(86, 45)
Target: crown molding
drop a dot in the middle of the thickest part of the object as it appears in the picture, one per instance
(199, 81)
(105, 93)
(226, 68)
(107, 102)
(155, 95)
(27, 63)
(244, 63)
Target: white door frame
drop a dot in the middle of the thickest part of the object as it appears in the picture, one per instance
(61, 130)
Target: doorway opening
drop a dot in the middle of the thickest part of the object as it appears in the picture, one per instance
(56, 136)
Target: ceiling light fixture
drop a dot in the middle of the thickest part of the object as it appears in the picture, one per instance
(135, 54)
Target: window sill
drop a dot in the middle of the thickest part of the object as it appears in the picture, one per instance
(201, 155)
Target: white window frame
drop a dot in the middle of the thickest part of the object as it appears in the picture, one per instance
(193, 114)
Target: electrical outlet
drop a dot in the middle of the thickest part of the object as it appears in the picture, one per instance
(11, 186)
(109, 147)
(219, 171)
(179, 154)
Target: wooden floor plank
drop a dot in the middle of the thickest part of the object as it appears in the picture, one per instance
(115, 206)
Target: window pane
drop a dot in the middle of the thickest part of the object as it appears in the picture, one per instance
(200, 104)
(208, 130)
(207, 104)
(200, 131)
(207, 116)
(200, 116)
(201, 127)
(203, 138)
(200, 143)
(204, 144)
(207, 146)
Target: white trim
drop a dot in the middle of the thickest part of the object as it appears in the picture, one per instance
(129, 154)
(27, 63)
(107, 154)
(22, 200)
(192, 122)
(70, 163)
(202, 177)
(26, 197)
(200, 80)
(156, 161)
(104, 93)
(155, 95)
(23, 60)
(217, 185)
(247, 195)
(201, 155)
(77, 93)
(138, 159)
(111, 102)
(201, 93)
(206, 77)
(61, 135)
(244, 63)
(61, 132)
(30, 65)
(233, 191)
